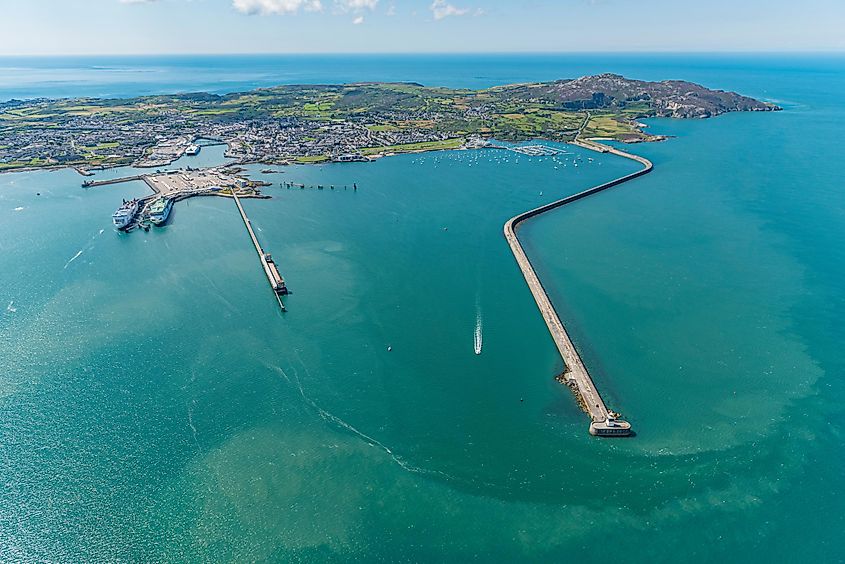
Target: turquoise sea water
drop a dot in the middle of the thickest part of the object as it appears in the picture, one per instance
(155, 405)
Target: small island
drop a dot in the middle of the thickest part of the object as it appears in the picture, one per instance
(350, 122)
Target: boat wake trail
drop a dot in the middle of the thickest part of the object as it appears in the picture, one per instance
(479, 327)
(76, 256)
(88, 247)
(218, 292)
(191, 420)
(340, 423)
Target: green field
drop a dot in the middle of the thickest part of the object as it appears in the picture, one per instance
(613, 127)
(411, 147)
(312, 159)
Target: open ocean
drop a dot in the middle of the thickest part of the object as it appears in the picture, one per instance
(156, 406)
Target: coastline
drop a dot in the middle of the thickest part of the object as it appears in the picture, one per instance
(79, 169)
(603, 421)
(82, 171)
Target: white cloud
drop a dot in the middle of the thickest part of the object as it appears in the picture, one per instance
(276, 6)
(357, 4)
(358, 21)
(442, 9)
(137, 1)
(293, 6)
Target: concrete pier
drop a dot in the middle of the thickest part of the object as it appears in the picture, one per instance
(277, 283)
(603, 422)
(94, 183)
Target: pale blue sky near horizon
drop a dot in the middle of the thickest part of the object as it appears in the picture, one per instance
(116, 27)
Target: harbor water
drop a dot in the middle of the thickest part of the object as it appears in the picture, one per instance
(156, 405)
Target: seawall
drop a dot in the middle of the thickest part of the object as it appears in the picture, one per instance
(603, 421)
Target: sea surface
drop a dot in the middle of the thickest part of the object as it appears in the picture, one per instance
(155, 405)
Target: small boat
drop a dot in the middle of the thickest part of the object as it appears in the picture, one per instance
(478, 336)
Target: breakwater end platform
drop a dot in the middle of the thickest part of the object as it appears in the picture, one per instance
(603, 421)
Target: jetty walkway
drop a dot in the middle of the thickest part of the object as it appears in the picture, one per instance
(603, 422)
(277, 283)
(95, 183)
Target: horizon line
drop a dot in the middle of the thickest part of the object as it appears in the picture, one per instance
(432, 53)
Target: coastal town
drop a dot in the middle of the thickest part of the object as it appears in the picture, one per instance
(312, 124)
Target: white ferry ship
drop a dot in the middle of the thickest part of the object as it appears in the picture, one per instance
(160, 210)
(125, 213)
(193, 150)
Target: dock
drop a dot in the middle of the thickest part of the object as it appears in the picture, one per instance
(277, 283)
(603, 421)
(94, 183)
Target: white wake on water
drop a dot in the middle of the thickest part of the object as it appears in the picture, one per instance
(478, 336)
(88, 247)
(191, 420)
(337, 421)
(76, 256)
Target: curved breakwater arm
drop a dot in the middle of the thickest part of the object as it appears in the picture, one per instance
(576, 375)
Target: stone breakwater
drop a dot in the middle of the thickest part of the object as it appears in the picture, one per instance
(603, 421)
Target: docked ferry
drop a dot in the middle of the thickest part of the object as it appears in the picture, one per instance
(160, 210)
(125, 213)
(193, 150)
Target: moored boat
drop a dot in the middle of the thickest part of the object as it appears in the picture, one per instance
(125, 213)
(160, 210)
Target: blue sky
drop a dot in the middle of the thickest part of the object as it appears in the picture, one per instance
(31, 27)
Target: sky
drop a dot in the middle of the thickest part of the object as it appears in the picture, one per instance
(116, 27)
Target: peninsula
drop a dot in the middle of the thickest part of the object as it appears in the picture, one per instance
(353, 122)
(319, 123)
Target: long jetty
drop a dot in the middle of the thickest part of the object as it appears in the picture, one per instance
(277, 283)
(603, 422)
(93, 183)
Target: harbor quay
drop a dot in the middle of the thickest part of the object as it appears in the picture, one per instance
(603, 421)
(173, 186)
